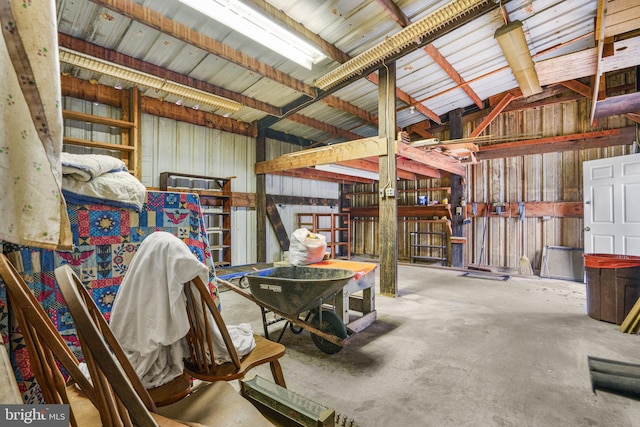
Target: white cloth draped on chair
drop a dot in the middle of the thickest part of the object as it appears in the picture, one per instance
(149, 317)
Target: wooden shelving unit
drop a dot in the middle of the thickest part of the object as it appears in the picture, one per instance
(129, 125)
(424, 248)
(336, 227)
(215, 200)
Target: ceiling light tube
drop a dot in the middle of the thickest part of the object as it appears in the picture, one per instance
(247, 21)
(395, 43)
(143, 79)
(515, 49)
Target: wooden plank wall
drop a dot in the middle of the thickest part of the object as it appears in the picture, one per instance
(541, 177)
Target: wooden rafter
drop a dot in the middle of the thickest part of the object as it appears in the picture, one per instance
(100, 52)
(82, 89)
(600, 42)
(435, 54)
(421, 129)
(394, 12)
(580, 141)
(350, 150)
(403, 20)
(336, 102)
(578, 87)
(166, 25)
(317, 124)
(409, 100)
(583, 63)
(492, 115)
(430, 158)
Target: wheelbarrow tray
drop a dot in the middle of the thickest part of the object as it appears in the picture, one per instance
(293, 290)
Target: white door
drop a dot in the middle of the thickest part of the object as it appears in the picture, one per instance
(612, 205)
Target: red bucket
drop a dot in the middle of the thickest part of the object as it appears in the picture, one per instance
(611, 261)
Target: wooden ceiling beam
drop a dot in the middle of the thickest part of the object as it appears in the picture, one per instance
(340, 104)
(319, 175)
(597, 95)
(100, 52)
(430, 158)
(409, 100)
(325, 127)
(621, 104)
(82, 89)
(435, 54)
(165, 25)
(403, 20)
(578, 87)
(335, 153)
(492, 115)
(580, 141)
(583, 63)
(420, 128)
(394, 12)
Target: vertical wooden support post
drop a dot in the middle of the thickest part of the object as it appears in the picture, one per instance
(136, 131)
(261, 200)
(388, 186)
(457, 193)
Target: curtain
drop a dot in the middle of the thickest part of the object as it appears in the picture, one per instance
(32, 208)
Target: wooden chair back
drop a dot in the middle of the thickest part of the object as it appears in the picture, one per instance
(203, 315)
(119, 395)
(46, 346)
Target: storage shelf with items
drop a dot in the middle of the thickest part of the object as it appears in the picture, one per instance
(336, 227)
(429, 246)
(215, 201)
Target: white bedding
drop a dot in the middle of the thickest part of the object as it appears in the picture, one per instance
(119, 189)
(85, 167)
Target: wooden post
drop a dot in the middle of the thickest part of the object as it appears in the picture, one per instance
(261, 200)
(457, 193)
(387, 184)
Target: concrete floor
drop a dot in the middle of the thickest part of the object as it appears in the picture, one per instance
(455, 351)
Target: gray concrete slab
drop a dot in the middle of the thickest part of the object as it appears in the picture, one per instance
(456, 351)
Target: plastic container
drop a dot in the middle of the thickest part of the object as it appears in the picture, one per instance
(613, 285)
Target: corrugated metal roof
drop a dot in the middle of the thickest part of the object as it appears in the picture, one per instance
(350, 25)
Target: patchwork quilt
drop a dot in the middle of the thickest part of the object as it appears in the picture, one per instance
(105, 240)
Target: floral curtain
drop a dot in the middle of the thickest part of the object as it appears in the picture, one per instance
(31, 204)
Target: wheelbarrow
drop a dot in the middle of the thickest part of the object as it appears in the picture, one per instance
(292, 292)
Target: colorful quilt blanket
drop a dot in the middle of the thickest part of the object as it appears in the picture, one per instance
(105, 240)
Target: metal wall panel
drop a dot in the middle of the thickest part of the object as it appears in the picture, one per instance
(172, 146)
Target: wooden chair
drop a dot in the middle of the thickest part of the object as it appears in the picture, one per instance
(114, 396)
(210, 404)
(45, 346)
(200, 310)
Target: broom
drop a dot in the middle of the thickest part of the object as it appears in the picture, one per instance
(524, 266)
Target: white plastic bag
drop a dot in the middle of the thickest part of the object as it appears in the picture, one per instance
(306, 247)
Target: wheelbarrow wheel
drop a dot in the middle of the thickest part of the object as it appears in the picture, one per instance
(244, 282)
(331, 324)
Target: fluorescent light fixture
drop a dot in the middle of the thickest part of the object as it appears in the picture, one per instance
(123, 73)
(345, 170)
(395, 43)
(245, 20)
(515, 49)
